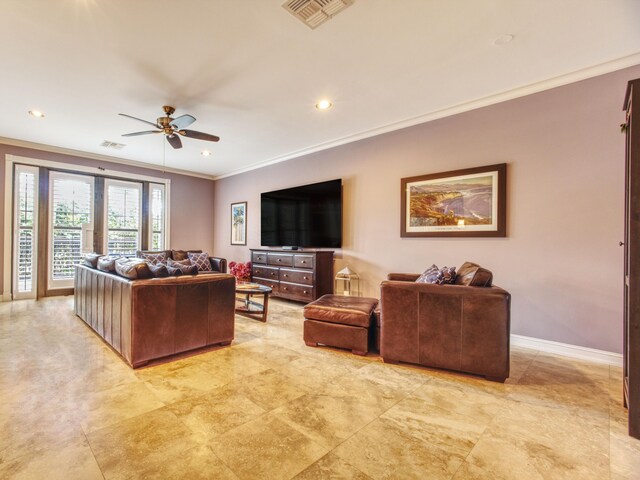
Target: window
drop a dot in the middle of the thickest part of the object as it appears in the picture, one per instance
(71, 207)
(157, 209)
(25, 229)
(123, 217)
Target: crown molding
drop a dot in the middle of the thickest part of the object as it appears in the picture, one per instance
(565, 79)
(104, 158)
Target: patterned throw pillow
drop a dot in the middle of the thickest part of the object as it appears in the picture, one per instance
(154, 258)
(184, 266)
(182, 254)
(200, 260)
(446, 276)
(430, 275)
(173, 271)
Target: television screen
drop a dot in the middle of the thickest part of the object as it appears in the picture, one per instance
(305, 216)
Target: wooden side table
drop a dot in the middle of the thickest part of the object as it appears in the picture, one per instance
(246, 306)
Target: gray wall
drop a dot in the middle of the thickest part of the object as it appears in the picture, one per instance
(561, 260)
(191, 199)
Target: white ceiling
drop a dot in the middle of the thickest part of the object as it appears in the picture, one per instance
(251, 73)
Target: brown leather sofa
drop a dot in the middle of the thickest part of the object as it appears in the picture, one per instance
(456, 327)
(144, 320)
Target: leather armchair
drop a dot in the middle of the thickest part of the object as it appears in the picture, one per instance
(455, 327)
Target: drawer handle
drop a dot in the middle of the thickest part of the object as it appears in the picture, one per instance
(306, 278)
(286, 275)
(286, 288)
(305, 292)
(279, 259)
(304, 261)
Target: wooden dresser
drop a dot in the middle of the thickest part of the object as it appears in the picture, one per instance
(302, 276)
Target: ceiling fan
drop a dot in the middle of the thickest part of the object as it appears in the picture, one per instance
(172, 128)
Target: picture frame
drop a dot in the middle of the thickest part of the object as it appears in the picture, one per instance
(460, 203)
(239, 223)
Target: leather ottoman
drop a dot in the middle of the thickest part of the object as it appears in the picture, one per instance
(338, 321)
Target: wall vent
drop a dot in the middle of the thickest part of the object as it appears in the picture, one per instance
(114, 145)
(314, 13)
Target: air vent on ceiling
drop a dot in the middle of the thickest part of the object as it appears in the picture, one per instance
(315, 12)
(114, 145)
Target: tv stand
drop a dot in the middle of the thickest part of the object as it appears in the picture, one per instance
(298, 276)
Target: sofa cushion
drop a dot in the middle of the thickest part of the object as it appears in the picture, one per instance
(158, 270)
(473, 275)
(430, 275)
(182, 254)
(107, 263)
(91, 260)
(154, 258)
(184, 266)
(200, 260)
(132, 268)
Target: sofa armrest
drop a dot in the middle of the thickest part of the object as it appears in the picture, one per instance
(403, 277)
(218, 264)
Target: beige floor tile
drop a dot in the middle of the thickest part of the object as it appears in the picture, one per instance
(216, 412)
(269, 389)
(266, 448)
(65, 462)
(141, 447)
(382, 450)
(107, 407)
(331, 467)
(325, 419)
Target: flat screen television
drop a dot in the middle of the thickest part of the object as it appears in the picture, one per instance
(305, 216)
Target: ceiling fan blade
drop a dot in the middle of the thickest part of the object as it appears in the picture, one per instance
(199, 135)
(174, 141)
(139, 119)
(182, 121)
(146, 132)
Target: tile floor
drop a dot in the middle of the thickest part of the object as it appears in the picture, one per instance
(268, 407)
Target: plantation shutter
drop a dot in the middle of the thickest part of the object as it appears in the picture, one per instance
(123, 216)
(25, 216)
(157, 209)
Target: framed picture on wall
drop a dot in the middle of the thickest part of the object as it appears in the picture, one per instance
(239, 223)
(460, 203)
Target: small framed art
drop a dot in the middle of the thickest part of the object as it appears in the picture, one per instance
(239, 223)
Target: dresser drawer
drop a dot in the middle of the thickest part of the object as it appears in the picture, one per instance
(258, 257)
(303, 261)
(264, 272)
(280, 259)
(302, 292)
(275, 286)
(296, 276)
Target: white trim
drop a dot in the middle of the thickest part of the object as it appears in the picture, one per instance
(560, 80)
(8, 224)
(73, 168)
(568, 350)
(163, 231)
(105, 158)
(16, 295)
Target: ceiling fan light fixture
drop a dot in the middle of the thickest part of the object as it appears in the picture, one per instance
(36, 113)
(324, 104)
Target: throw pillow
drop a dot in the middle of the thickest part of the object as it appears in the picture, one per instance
(182, 254)
(154, 258)
(173, 271)
(430, 275)
(184, 266)
(108, 263)
(133, 268)
(446, 276)
(91, 260)
(200, 260)
(473, 275)
(159, 270)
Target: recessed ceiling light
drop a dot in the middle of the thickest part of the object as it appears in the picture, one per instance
(324, 104)
(503, 39)
(205, 153)
(36, 113)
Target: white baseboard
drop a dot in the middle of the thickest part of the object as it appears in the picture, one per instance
(567, 350)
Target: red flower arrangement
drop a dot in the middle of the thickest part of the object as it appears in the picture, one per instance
(242, 271)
